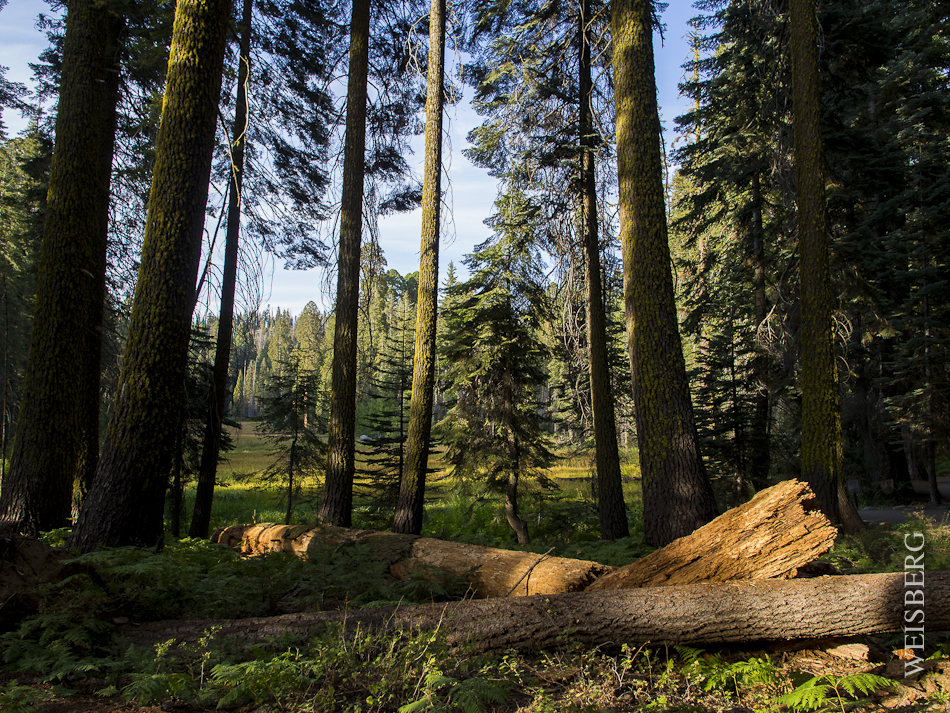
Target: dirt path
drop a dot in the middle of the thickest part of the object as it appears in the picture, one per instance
(894, 516)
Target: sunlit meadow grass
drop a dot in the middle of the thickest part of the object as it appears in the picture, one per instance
(563, 518)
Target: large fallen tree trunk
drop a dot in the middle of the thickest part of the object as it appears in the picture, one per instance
(488, 571)
(697, 614)
(772, 535)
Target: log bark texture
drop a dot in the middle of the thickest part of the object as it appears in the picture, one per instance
(489, 572)
(697, 614)
(771, 536)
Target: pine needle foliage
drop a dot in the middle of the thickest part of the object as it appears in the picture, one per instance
(291, 420)
(496, 359)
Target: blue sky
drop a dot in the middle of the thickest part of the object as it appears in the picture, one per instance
(471, 190)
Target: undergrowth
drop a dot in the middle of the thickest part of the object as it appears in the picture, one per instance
(880, 549)
(77, 634)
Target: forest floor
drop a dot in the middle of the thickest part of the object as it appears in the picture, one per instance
(66, 659)
(372, 675)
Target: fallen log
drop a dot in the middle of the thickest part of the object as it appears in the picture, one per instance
(771, 536)
(696, 614)
(488, 571)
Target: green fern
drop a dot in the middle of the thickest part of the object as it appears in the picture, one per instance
(817, 693)
(442, 694)
(716, 673)
(15, 698)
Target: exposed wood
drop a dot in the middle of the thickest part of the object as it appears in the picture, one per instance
(771, 536)
(489, 572)
(778, 531)
(697, 614)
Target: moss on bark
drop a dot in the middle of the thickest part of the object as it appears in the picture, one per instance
(677, 496)
(409, 508)
(125, 505)
(57, 433)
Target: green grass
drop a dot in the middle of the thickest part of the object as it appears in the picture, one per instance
(72, 641)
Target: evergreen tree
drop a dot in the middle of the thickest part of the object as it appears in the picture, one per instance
(677, 496)
(535, 79)
(125, 503)
(23, 171)
(409, 508)
(337, 508)
(57, 431)
(730, 219)
(385, 449)
(289, 420)
(204, 492)
(822, 451)
(495, 362)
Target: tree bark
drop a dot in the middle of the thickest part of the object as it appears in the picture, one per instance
(204, 491)
(409, 507)
(822, 448)
(770, 536)
(337, 506)
(488, 571)
(677, 495)
(611, 510)
(54, 438)
(696, 615)
(759, 447)
(125, 505)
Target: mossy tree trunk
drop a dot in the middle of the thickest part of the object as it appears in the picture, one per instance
(125, 505)
(759, 450)
(409, 507)
(611, 509)
(822, 449)
(204, 492)
(677, 496)
(57, 431)
(337, 507)
(92, 354)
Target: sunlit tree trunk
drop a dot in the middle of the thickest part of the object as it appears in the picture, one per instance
(337, 507)
(677, 496)
(125, 504)
(409, 507)
(822, 450)
(611, 509)
(57, 430)
(204, 492)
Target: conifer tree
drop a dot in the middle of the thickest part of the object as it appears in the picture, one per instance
(57, 430)
(385, 452)
(289, 420)
(126, 501)
(337, 507)
(535, 80)
(822, 451)
(729, 218)
(677, 496)
(409, 508)
(495, 363)
(204, 491)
